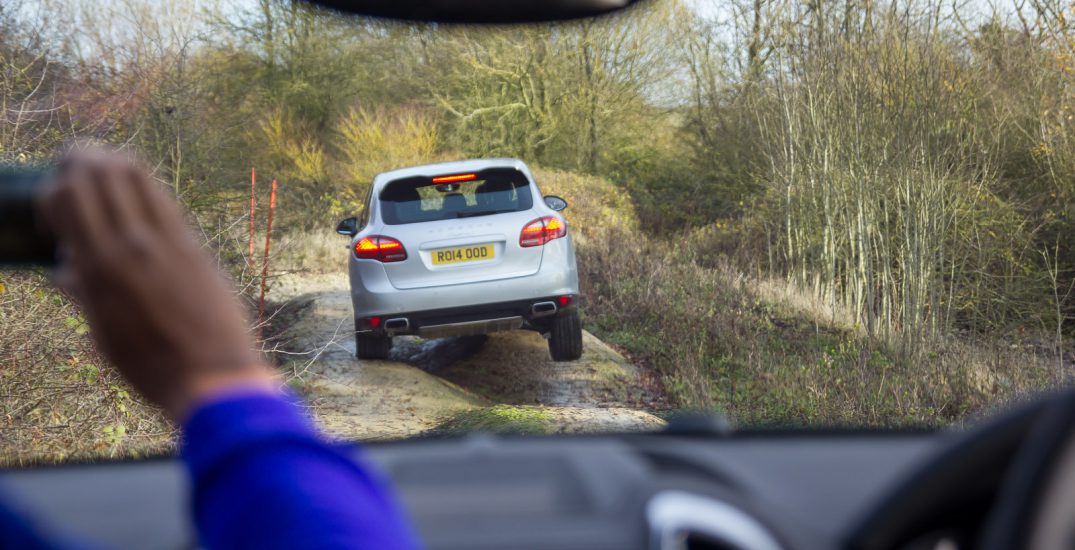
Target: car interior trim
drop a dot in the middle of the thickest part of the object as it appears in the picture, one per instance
(673, 514)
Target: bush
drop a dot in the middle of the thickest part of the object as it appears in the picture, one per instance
(728, 342)
(371, 142)
(61, 401)
(595, 205)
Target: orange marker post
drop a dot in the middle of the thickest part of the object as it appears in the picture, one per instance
(253, 210)
(265, 262)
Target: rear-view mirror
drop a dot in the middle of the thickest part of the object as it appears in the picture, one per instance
(348, 227)
(476, 11)
(556, 203)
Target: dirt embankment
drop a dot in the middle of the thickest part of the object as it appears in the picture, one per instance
(504, 381)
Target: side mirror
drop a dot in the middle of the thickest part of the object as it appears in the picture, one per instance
(556, 203)
(348, 227)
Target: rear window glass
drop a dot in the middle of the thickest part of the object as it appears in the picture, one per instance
(421, 199)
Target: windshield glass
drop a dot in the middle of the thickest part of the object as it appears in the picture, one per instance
(413, 200)
(790, 214)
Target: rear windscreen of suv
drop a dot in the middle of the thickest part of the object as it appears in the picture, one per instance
(453, 196)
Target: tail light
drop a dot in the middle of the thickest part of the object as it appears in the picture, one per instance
(541, 231)
(380, 248)
(455, 178)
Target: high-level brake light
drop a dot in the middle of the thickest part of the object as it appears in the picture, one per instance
(455, 178)
(541, 231)
(380, 248)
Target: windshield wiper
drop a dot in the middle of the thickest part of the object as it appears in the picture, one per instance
(481, 213)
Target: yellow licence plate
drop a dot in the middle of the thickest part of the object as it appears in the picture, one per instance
(463, 254)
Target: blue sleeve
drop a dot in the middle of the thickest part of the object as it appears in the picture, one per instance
(19, 531)
(263, 478)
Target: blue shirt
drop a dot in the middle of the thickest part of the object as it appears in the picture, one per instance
(262, 477)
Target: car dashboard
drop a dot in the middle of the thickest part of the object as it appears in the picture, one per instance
(645, 491)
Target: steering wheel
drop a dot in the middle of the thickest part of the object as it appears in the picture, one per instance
(956, 485)
(1036, 505)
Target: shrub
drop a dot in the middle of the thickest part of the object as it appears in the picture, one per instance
(60, 400)
(595, 205)
(728, 342)
(373, 141)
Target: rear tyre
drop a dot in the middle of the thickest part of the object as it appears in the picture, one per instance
(565, 338)
(372, 347)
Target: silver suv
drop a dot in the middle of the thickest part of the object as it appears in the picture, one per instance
(462, 248)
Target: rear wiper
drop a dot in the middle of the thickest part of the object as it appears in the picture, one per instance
(481, 213)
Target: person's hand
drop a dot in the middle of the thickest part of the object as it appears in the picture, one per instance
(157, 306)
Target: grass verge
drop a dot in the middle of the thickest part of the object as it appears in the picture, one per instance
(724, 342)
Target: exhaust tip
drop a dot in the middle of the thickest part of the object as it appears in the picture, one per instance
(399, 323)
(542, 309)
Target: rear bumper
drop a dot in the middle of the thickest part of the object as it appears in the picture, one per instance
(373, 294)
(534, 314)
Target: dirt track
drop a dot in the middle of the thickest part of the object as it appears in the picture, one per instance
(427, 382)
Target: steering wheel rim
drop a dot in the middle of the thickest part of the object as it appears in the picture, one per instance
(1011, 522)
(975, 462)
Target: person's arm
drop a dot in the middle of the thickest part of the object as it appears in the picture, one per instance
(163, 314)
(18, 531)
(264, 478)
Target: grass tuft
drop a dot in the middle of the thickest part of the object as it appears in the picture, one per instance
(500, 419)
